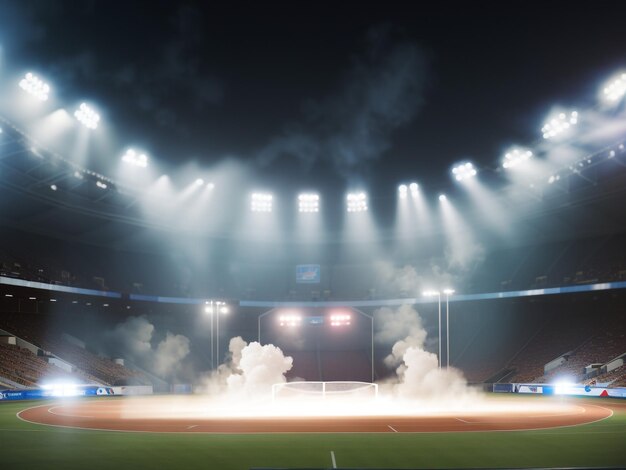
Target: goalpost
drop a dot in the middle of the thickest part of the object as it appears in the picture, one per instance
(323, 390)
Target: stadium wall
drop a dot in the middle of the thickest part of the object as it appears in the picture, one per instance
(561, 389)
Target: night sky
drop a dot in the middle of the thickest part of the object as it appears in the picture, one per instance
(320, 95)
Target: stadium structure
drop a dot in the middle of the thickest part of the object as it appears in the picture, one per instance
(288, 346)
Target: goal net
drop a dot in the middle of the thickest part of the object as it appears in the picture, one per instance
(323, 390)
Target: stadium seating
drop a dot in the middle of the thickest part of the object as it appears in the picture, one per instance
(90, 367)
(22, 366)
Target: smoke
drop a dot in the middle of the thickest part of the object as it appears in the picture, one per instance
(169, 353)
(133, 340)
(407, 281)
(402, 323)
(250, 370)
(463, 253)
(418, 375)
(381, 92)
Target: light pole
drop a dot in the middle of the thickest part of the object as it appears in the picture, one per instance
(448, 293)
(433, 293)
(259, 324)
(217, 307)
(223, 309)
(208, 309)
(371, 317)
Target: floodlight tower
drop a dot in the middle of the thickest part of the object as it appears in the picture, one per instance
(433, 293)
(215, 307)
(35, 86)
(448, 292)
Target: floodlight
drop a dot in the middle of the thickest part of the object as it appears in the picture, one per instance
(101, 185)
(559, 124)
(223, 309)
(554, 178)
(78, 175)
(261, 202)
(615, 90)
(61, 389)
(463, 171)
(87, 116)
(34, 86)
(356, 202)
(290, 320)
(199, 182)
(515, 157)
(448, 291)
(413, 187)
(431, 293)
(308, 202)
(442, 198)
(53, 187)
(134, 158)
(342, 319)
(402, 191)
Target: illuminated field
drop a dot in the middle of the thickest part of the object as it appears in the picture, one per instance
(198, 415)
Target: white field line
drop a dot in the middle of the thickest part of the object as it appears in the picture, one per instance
(392, 428)
(463, 421)
(50, 410)
(84, 428)
(192, 426)
(332, 457)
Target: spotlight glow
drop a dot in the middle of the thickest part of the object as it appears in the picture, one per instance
(342, 319)
(290, 320)
(402, 191)
(414, 187)
(34, 86)
(615, 90)
(101, 185)
(134, 158)
(559, 124)
(515, 157)
(442, 198)
(356, 202)
(464, 171)
(308, 202)
(261, 202)
(87, 116)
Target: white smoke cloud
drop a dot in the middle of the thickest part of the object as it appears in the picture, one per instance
(169, 353)
(407, 281)
(250, 370)
(417, 371)
(401, 323)
(133, 339)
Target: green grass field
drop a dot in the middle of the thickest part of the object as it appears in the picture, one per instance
(24, 445)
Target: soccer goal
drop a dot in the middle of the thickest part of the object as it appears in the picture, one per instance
(323, 390)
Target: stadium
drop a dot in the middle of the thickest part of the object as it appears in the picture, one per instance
(256, 240)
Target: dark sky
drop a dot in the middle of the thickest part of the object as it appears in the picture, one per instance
(319, 95)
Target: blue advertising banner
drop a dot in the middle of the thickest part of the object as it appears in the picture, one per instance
(308, 274)
(56, 392)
